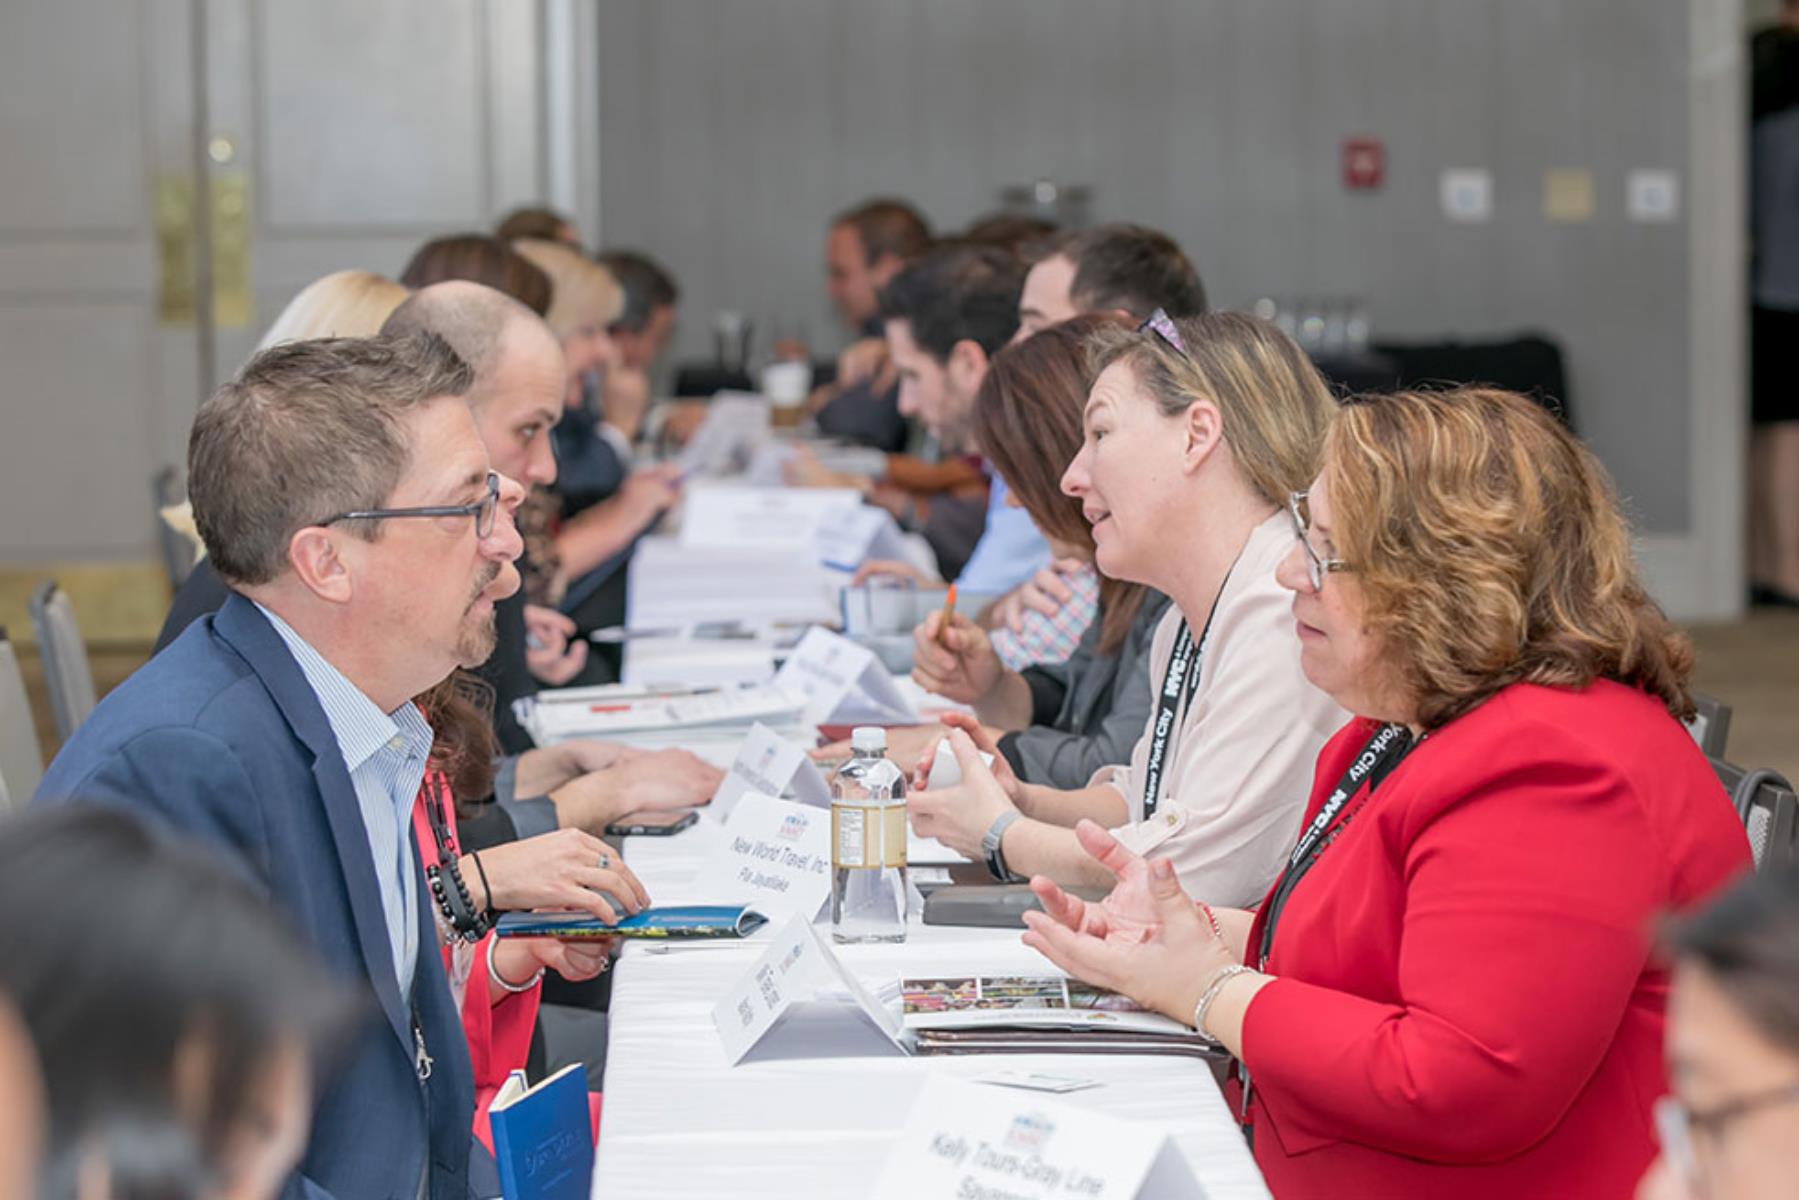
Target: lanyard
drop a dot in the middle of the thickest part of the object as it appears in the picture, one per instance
(1178, 685)
(1379, 755)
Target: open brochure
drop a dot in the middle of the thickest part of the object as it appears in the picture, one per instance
(1015, 1014)
(691, 921)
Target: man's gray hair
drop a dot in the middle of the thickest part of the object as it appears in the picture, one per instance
(470, 316)
(308, 430)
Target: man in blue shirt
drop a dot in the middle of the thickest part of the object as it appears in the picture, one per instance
(944, 317)
(344, 494)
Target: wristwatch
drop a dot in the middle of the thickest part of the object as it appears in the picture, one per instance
(996, 862)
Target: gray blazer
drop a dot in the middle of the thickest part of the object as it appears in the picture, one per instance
(1088, 712)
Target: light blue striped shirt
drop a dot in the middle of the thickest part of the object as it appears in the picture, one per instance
(385, 754)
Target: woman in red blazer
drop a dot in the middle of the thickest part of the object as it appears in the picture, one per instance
(1451, 990)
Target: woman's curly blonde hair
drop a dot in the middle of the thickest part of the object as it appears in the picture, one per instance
(1491, 550)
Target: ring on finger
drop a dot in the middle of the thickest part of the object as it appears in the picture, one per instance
(605, 860)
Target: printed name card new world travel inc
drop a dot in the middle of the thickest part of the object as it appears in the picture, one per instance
(774, 855)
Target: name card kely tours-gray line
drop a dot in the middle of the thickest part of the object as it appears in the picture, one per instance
(968, 1142)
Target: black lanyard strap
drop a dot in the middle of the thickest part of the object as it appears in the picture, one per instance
(1179, 682)
(1376, 760)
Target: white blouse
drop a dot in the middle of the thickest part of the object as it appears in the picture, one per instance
(1239, 768)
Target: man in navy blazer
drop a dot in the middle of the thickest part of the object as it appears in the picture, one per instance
(282, 729)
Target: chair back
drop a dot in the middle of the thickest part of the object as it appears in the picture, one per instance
(1710, 726)
(21, 763)
(67, 675)
(1769, 809)
(173, 546)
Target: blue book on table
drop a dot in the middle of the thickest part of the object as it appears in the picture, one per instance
(542, 1137)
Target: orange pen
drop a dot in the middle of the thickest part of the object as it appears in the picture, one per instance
(949, 610)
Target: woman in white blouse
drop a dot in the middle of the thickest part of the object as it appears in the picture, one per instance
(1194, 433)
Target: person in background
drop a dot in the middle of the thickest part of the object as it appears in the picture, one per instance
(944, 318)
(479, 258)
(1085, 705)
(496, 982)
(1195, 432)
(603, 504)
(1127, 270)
(642, 330)
(341, 304)
(1124, 271)
(344, 494)
(180, 1023)
(543, 224)
(1010, 231)
(1451, 989)
(866, 247)
(1731, 1125)
(1774, 316)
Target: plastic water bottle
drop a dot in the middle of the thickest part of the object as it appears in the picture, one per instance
(868, 843)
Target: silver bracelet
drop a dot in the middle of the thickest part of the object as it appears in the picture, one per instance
(1225, 974)
(493, 972)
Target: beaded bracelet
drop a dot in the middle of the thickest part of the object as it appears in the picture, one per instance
(454, 901)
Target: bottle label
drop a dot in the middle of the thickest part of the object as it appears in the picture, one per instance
(848, 843)
(893, 826)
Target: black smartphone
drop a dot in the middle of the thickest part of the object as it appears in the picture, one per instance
(646, 825)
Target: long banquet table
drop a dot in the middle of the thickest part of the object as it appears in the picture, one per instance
(815, 1109)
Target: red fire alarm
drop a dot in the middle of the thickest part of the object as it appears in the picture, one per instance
(1364, 163)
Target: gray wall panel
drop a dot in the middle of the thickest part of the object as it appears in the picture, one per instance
(731, 132)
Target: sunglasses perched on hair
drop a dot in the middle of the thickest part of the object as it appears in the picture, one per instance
(1162, 325)
(483, 510)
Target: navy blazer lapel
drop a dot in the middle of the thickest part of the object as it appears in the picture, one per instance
(250, 634)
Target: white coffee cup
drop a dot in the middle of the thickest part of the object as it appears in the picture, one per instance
(786, 383)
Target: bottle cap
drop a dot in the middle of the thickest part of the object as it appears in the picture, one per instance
(868, 739)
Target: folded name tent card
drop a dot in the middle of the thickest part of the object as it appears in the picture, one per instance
(847, 538)
(843, 682)
(964, 1140)
(756, 1003)
(764, 518)
(771, 765)
(774, 855)
(665, 924)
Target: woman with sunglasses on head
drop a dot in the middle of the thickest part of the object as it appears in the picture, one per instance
(1731, 1127)
(1195, 431)
(1450, 989)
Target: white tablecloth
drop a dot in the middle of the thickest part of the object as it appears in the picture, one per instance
(814, 1110)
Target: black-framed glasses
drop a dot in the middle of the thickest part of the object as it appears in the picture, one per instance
(1162, 325)
(483, 510)
(1317, 566)
(1676, 1125)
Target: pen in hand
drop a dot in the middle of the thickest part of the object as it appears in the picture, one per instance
(943, 620)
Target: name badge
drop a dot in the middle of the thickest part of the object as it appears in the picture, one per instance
(964, 1140)
(842, 681)
(770, 765)
(774, 855)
